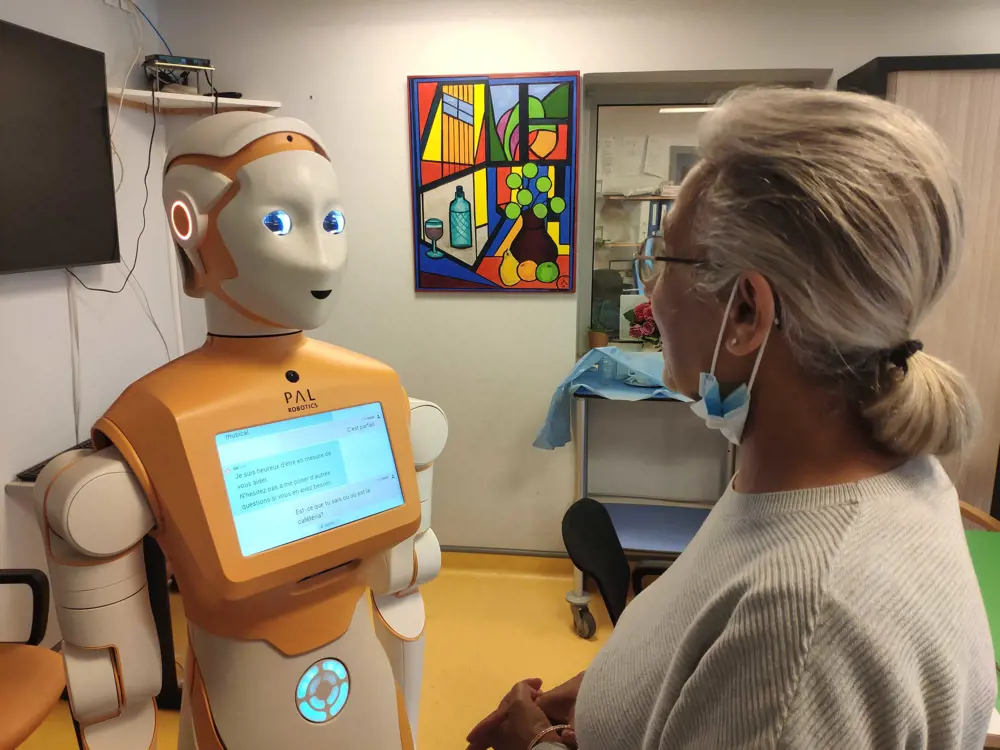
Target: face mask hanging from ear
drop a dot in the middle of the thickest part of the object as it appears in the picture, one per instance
(729, 414)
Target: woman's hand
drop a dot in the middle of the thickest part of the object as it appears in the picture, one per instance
(483, 732)
(559, 704)
(525, 721)
(515, 723)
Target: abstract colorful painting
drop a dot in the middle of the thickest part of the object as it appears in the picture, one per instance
(494, 181)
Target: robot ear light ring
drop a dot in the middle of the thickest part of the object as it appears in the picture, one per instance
(323, 691)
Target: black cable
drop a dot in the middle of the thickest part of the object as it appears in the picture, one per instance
(138, 240)
(215, 92)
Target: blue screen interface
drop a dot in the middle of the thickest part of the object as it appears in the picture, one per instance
(292, 479)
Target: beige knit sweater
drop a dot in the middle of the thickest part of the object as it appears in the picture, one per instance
(847, 617)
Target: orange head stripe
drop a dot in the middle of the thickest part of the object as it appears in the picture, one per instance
(264, 146)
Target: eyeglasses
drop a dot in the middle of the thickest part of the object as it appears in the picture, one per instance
(653, 261)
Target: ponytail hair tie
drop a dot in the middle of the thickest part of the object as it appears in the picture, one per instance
(899, 355)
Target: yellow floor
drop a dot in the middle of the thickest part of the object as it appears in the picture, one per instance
(492, 620)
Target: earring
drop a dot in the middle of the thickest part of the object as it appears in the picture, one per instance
(734, 341)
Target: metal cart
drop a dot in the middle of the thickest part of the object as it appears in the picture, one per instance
(646, 531)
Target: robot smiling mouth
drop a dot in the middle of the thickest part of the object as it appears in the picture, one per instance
(322, 294)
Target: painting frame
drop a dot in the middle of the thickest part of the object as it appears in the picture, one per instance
(494, 195)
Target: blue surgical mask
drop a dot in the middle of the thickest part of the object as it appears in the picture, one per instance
(729, 414)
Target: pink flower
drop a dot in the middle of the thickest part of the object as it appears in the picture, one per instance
(635, 332)
(648, 328)
(643, 312)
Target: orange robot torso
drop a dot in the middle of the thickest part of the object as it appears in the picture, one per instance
(284, 609)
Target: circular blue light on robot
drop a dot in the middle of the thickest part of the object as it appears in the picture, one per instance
(322, 691)
(334, 222)
(278, 222)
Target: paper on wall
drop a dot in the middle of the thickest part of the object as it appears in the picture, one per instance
(620, 156)
(657, 159)
(631, 150)
(605, 158)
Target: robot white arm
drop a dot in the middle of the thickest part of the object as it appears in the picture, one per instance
(93, 516)
(397, 575)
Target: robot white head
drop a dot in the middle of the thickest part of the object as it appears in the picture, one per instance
(253, 203)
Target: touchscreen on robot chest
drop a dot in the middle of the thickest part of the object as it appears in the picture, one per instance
(292, 479)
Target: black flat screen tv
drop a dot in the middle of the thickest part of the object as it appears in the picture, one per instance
(57, 192)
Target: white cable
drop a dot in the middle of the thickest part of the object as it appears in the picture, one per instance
(74, 355)
(136, 27)
(144, 302)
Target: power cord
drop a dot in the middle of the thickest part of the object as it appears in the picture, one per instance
(215, 92)
(74, 322)
(138, 241)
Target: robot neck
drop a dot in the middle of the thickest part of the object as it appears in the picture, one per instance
(225, 321)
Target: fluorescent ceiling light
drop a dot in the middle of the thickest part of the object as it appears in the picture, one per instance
(684, 110)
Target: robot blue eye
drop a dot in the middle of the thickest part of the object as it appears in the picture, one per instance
(278, 222)
(334, 222)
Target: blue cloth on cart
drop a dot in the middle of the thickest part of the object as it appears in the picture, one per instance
(609, 373)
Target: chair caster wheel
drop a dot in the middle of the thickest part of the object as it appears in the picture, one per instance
(584, 623)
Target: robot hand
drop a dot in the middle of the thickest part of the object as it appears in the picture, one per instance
(93, 516)
(397, 575)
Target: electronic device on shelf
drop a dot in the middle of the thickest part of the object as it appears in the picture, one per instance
(170, 71)
(57, 188)
(174, 62)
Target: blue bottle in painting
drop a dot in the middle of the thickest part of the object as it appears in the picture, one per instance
(460, 221)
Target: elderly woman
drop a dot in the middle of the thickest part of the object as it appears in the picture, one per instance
(829, 600)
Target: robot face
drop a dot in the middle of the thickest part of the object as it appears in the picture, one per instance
(284, 230)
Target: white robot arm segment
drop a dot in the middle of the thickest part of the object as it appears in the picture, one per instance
(93, 515)
(428, 432)
(97, 506)
(399, 605)
(427, 558)
(394, 569)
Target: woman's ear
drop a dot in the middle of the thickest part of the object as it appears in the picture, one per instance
(751, 315)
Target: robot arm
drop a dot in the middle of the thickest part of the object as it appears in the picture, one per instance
(396, 576)
(416, 561)
(93, 516)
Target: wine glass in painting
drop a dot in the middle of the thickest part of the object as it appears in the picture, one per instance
(434, 230)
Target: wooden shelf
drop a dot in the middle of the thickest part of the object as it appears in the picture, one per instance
(669, 194)
(186, 104)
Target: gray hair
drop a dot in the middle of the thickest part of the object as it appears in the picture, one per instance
(850, 207)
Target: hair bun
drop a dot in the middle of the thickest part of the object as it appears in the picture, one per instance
(927, 408)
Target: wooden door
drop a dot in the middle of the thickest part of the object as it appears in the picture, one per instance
(964, 329)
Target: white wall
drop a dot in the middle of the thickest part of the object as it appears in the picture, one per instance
(117, 342)
(492, 361)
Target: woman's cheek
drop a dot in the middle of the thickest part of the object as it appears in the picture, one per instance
(662, 324)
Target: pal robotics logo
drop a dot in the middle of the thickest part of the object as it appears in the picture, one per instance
(300, 401)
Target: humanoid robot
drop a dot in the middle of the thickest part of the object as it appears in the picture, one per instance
(287, 481)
